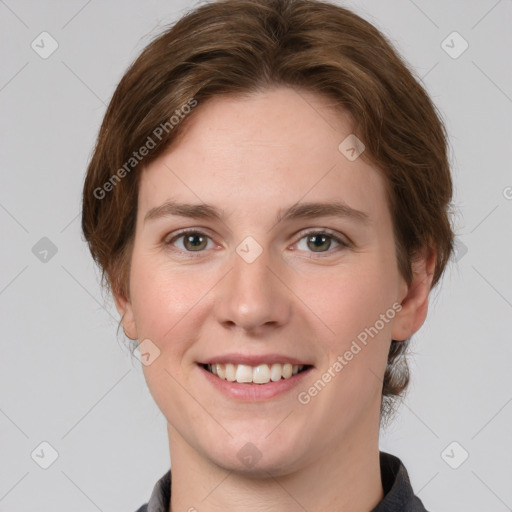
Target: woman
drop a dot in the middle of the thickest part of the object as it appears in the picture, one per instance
(268, 200)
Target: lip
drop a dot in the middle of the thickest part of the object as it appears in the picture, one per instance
(254, 360)
(254, 392)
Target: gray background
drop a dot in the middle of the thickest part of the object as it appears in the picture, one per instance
(67, 379)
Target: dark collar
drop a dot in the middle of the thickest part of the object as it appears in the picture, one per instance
(398, 493)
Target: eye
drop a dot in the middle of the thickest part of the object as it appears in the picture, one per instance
(320, 241)
(193, 240)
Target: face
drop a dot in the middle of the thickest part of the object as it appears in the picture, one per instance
(318, 288)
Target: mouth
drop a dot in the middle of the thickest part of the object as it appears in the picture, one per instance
(260, 374)
(258, 382)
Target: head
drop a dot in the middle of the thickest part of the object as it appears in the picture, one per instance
(253, 108)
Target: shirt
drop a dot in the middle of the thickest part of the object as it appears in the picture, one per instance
(398, 493)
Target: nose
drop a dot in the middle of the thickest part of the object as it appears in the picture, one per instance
(253, 296)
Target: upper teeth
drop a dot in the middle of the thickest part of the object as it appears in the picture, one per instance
(261, 374)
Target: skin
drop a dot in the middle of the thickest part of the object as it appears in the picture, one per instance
(250, 157)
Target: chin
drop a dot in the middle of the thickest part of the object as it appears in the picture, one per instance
(257, 458)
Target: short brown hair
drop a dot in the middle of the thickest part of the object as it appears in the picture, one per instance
(240, 47)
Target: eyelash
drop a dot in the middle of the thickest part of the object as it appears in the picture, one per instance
(342, 243)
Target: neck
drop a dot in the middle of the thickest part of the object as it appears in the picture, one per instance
(346, 479)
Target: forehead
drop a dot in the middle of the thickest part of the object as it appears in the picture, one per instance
(257, 151)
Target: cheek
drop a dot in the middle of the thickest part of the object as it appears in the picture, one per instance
(349, 382)
(351, 301)
(358, 309)
(161, 297)
(163, 302)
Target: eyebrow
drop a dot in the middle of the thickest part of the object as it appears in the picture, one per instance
(309, 210)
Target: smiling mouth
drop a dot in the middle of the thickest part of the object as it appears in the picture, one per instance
(260, 374)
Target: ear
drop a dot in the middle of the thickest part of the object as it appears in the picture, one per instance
(125, 309)
(415, 298)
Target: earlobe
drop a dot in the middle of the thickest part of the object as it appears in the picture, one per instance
(125, 309)
(415, 302)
